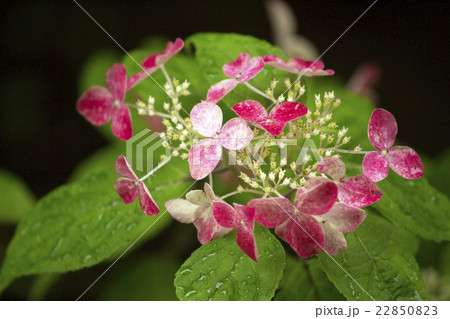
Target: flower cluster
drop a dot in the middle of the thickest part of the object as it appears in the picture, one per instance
(276, 145)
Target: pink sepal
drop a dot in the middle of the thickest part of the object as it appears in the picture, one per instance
(359, 191)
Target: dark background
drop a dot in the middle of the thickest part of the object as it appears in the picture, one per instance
(45, 43)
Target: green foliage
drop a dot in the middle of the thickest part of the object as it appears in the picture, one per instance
(16, 200)
(213, 50)
(141, 278)
(219, 270)
(81, 224)
(305, 280)
(377, 259)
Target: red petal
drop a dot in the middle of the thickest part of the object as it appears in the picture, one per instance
(235, 134)
(206, 118)
(127, 190)
(232, 69)
(204, 157)
(305, 235)
(206, 227)
(246, 214)
(405, 162)
(96, 105)
(318, 199)
(172, 48)
(303, 64)
(287, 111)
(344, 218)
(121, 123)
(146, 201)
(220, 89)
(375, 166)
(359, 191)
(124, 169)
(333, 167)
(274, 128)
(271, 212)
(251, 69)
(150, 61)
(246, 241)
(280, 230)
(225, 215)
(251, 111)
(279, 63)
(382, 129)
(116, 81)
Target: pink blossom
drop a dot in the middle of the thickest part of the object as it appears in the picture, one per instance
(99, 105)
(296, 223)
(359, 191)
(341, 218)
(240, 217)
(297, 66)
(244, 68)
(273, 123)
(403, 160)
(206, 119)
(220, 89)
(130, 187)
(197, 209)
(151, 63)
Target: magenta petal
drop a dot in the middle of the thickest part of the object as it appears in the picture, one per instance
(280, 230)
(274, 128)
(135, 79)
(226, 216)
(359, 191)
(333, 167)
(172, 48)
(206, 228)
(220, 89)
(116, 81)
(251, 111)
(318, 199)
(232, 69)
(204, 157)
(121, 123)
(334, 240)
(303, 64)
(124, 169)
(405, 162)
(235, 134)
(305, 235)
(96, 105)
(287, 111)
(279, 63)
(344, 218)
(206, 118)
(246, 241)
(271, 212)
(382, 129)
(375, 166)
(146, 201)
(127, 190)
(252, 68)
(150, 61)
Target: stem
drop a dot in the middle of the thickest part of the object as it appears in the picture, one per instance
(251, 87)
(347, 151)
(161, 164)
(166, 75)
(210, 180)
(244, 191)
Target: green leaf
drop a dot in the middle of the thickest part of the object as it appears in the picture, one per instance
(16, 200)
(305, 280)
(219, 270)
(81, 224)
(378, 261)
(141, 278)
(416, 206)
(213, 50)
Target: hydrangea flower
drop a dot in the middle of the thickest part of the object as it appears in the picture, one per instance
(100, 105)
(197, 209)
(154, 61)
(296, 223)
(403, 160)
(130, 187)
(341, 218)
(273, 123)
(297, 66)
(359, 191)
(206, 119)
(240, 217)
(241, 70)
